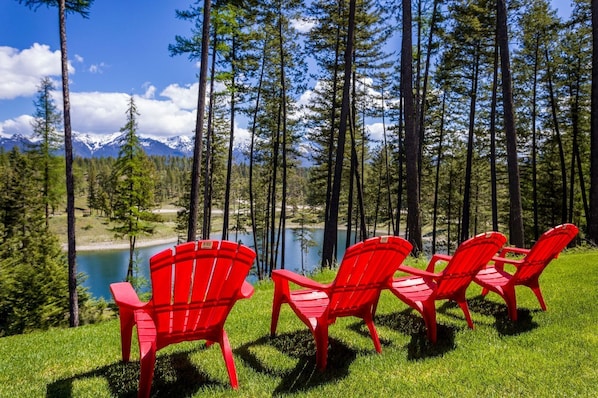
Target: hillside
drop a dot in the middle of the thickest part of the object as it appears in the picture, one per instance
(545, 354)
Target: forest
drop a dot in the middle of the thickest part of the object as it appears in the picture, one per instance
(483, 120)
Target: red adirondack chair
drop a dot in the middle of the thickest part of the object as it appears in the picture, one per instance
(421, 290)
(528, 269)
(363, 272)
(194, 288)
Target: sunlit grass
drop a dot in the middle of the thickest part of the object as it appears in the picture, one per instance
(544, 354)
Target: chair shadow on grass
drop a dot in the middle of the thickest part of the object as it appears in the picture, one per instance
(174, 376)
(504, 326)
(298, 347)
(413, 325)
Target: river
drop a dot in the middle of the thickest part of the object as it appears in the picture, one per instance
(108, 266)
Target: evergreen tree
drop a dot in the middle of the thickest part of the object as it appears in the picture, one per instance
(33, 268)
(45, 125)
(80, 7)
(134, 187)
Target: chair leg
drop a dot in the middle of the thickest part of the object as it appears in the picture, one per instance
(228, 360)
(536, 289)
(276, 303)
(465, 308)
(459, 297)
(321, 336)
(369, 321)
(511, 300)
(147, 362)
(127, 321)
(484, 291)
(429, 314)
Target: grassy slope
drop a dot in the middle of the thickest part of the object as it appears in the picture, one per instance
(545, 354)
(94, 229)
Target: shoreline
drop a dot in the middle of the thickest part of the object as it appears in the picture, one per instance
(105, 246)
(123, 244)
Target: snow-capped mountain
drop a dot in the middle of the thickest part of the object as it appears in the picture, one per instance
(88, 146)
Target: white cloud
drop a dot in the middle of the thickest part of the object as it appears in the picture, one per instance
(184, 97)
(150, 90)
(96, 112)
(163, 113)
(20, 125)
(97, 68)
(303, 25)
(242, 135)
(21, 71)
(163, 118)
(376, 131)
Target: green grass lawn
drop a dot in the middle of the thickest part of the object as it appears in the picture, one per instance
(544, 354)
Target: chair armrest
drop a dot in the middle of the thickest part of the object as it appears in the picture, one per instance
(246, 290)
(435, 258)
(417, 271)
(512, 250)
(501, 260)
(125, 296)
(281, 275)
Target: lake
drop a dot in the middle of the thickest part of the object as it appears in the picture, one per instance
(108, 266)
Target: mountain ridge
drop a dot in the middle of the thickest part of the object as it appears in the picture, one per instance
(87, 146)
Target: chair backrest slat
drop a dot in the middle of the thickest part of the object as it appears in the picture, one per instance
(467, 260)
(364, 271)
(547, 248)
(195, 286)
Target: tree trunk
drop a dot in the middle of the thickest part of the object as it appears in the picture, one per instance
(516, 209)
(70, 181)
(201, 103)
(493, 176)
(593, 218)
(534, 142)
(401, 150)
(259, 267)
(131, 258)
(283, 99)
(437, 177)
(391, 222)
(557, 133)
(411, 138)
(422, 100)
(229, 163)
(465, 223)
(331, 141)
(331, 227)
(207, 186)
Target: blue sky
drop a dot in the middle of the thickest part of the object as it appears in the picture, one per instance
(120, 50)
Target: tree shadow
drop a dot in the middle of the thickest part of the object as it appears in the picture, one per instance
(174, 376)
(413, 325)
(504, 325)
(300, 346)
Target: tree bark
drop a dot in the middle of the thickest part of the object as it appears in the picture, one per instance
(593, 218)
(411, 137)
(437, 177)
(493, 176)
(465, 223)
(70, 182)
(331, 227)
(557, 133)
(201, 104)
(516, 209)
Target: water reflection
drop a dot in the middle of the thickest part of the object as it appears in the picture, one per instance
(107, 266)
